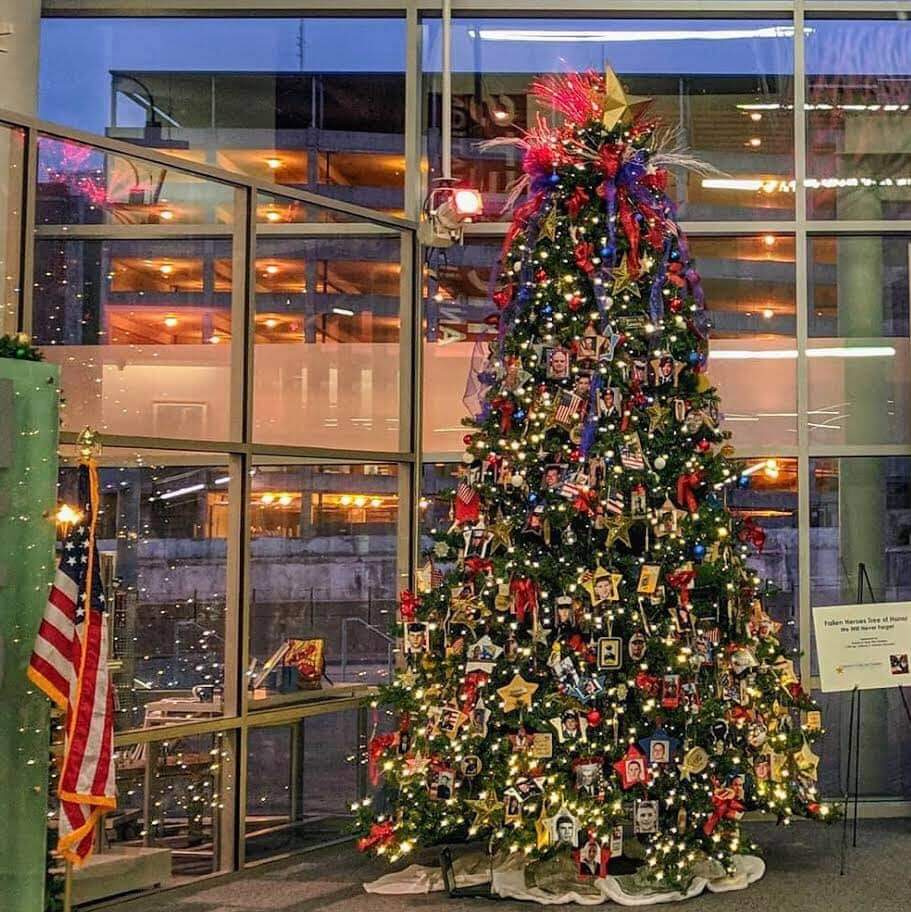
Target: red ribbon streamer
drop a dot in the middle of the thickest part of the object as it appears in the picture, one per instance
(475, 565)
(524, 595)
(680, 580)
(378, 745)
(752, 533)
(726, 808)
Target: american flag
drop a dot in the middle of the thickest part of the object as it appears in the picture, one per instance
(569, 408)
(615, 502)
(70, 664)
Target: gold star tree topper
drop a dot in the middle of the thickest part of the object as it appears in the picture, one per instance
(618, 107)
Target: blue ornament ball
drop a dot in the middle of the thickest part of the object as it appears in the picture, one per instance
(693, 357)
(744, 481)
(699, 551)
(554, 178)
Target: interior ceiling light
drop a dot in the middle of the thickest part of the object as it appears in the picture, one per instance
(274, 163)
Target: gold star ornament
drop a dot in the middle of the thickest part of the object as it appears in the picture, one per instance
(485, 809)
(517, 693)
(618, 107)
(618, 530)
(623, 281)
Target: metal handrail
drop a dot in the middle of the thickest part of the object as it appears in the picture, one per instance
(197, 169)
(390, 643)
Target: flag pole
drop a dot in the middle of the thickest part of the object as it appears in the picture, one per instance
(68, 887)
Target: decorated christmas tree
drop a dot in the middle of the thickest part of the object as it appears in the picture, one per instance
(588, 669)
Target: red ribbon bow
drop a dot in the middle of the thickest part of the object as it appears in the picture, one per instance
(680, 580)
(410, 604)
(727, 807)
(576, 201)
(468, 692)
(506, 407)
(475, 565)
(524, 594)
(686, 489)
(752, 533)
(380, 834)
(648, 683)
(502, 296)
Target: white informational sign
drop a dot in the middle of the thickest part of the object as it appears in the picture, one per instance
(863, 646)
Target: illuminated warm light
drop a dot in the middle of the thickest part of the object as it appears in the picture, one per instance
(768, 313)
(179, 492)
(771, 468)
(344, 500)
(166, 269)
(166, 214)
(284, 500)
(273, 215)
(214, 340)
(271, 323)
(67, 516)
(467, 202)
(272, 269)
(274, 163)
(500, 114)
(267, 499)
(359, 501)
(376, 502)
(343, 311)
(755, 116)
(769, 240)
(755, 142)
(785, 354)
(171, 321)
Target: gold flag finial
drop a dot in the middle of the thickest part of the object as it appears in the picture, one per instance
(88, 443)
(618, 107)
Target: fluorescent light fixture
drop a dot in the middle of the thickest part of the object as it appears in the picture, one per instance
(223, 480)
(343, 311)
(190, 489)
(631, 35)
(788, 354)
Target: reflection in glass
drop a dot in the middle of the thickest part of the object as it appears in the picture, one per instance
(81, 185)
(12, 147)
(323, 567)
(749, 286)
(315, 103)
(302, 779)
(858, 98)
(171, 797)
(328, 341)
(162, 541)
(726, 84)
(142, 331)
(770, 499)
(859, 347)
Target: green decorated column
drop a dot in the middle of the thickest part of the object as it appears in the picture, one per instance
(28, 477)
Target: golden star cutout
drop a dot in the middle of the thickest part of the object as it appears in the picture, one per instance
(502, 535)
(658, 413)
(617, 106)
(406, 678)
(485, 809)
(517, 693)
(807, 761)
(416, 765)
(542, 830)
(549, 225)
(623, 281)
(618, 530)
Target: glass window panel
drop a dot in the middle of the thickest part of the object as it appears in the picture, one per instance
(750, 291)
(313, 102)
(885, 739)
(12, 147)
(302, 779)
(172, 796)
(142, 332)
(324, 552)
(727, 84)
(81, 185)
(770, 499)
(859, 346)
(162, 540)
(328, 342)
(858, 100)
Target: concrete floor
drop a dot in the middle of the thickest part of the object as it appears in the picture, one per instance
(802, 874)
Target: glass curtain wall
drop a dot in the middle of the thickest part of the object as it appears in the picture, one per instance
(251, 354)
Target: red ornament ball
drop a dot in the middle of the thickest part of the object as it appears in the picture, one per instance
(594, 717)
(575, 455)
(468, 440)
(675, 305)
(704, 446)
